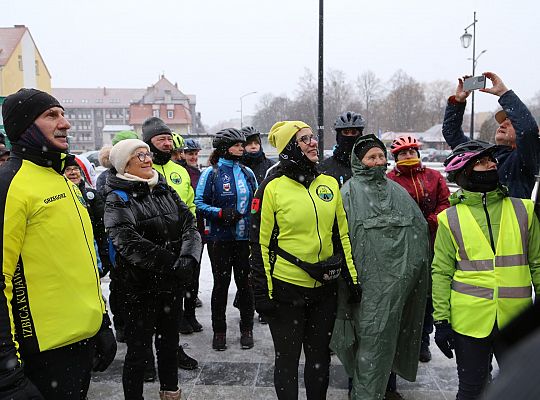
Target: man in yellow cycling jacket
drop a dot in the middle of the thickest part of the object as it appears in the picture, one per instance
(487, 255)
(159, 137)
(52, 311)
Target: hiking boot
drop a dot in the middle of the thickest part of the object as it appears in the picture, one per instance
(195, 325)
(262, 320)
(425, 354)
(246, 339)
(219, 342)
(150, 373)
(185, 361)
(184, 327)
(166, 395)
(198, 302)
(393, 396)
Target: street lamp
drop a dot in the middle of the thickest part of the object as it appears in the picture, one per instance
(466, 42)
(241, 109)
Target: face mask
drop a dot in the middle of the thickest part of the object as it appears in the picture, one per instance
(160, 157)
(479, 181)
(412, 162)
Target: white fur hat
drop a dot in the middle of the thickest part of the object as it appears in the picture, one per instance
(122, 152)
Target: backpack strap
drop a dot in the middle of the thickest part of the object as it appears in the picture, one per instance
(112, 250)
(122, 194)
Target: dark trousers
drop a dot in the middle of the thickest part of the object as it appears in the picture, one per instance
(228, 257)
(473, 359)
(117, 301)
(427, 329)
(190, 294)
(147, 315)
(63, 373)
(308, 324)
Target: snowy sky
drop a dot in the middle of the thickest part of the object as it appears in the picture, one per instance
(220, 50)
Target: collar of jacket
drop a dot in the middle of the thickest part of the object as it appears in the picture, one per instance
(250, 159)
(49, 159)
(475, 198)
(300, 173)
(228, 163)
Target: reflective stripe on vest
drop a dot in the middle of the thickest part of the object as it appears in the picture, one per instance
(487, 293)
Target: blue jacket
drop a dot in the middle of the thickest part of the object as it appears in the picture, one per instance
(517, 167)
(229, 185)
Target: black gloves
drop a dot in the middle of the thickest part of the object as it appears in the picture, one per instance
(356, 294)
(266, 306)
(230, 216)
(183, 268)
(104, 346)
(15, 386)
(444, 337)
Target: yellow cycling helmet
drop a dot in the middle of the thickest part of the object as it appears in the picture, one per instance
(178, 141)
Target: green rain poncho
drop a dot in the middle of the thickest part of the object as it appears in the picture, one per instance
(390, 246)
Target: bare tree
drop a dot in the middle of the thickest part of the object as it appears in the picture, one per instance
(437, 93)
(371, 91)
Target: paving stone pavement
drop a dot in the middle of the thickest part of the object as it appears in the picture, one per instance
(247, 374)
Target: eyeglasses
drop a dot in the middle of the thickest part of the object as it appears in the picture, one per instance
(485, 161)
(72, 169)
(142, 156)
(306, 139)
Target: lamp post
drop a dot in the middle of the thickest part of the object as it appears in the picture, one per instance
(466, 42)
(320, 87)
(241, 109)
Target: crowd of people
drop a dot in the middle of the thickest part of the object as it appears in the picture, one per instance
(335, 255)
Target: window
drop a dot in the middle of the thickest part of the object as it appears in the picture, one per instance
(20, 63)
(99, 100)
(37, 68)
(85, 101)
(170, 114)
(155, 113)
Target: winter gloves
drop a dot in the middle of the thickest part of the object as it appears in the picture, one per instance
(229, 216)
(444, 337)
(356, 294)
(265, 306)
(105, 346)
(14, 385)
(183, 268)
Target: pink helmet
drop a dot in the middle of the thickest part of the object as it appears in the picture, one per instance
(459, 161)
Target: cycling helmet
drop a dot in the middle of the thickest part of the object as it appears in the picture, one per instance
(350, 119)
(466, 153)
(404, 142)
(191, 144)
(250, 131)
(225, 138)
(178, 141)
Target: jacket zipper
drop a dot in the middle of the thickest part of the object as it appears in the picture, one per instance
(317, 224)
(484, 203)
(85, 237)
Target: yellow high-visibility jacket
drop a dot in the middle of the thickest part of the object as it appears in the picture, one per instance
(178, 178)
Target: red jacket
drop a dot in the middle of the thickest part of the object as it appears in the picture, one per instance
(428, 188)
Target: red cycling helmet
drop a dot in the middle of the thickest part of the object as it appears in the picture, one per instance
(403, 143)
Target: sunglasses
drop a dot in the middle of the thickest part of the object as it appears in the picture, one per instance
(142, 156)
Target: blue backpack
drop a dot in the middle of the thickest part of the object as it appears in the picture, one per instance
(112, 250)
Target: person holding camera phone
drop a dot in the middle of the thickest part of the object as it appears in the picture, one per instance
(519, 154)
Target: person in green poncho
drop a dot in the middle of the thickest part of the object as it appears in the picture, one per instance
(390, 247)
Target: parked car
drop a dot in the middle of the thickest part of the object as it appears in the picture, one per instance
(439, 156)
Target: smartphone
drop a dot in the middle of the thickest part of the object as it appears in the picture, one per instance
(474, 82)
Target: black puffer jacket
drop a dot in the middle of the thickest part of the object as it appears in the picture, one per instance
(337, 166)
(149, 232)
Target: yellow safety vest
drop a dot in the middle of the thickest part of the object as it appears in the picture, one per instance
(489, 287)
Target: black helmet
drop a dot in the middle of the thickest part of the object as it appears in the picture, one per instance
(250, 131)
(472, 146)
(225, 138)
(463, 154)
(350, 119)
(191, 144)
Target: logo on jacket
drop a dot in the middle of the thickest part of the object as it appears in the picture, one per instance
(226, 187)
(324, 193)
(175, 178)
(79, 195)
(226, 178)
(54, 198)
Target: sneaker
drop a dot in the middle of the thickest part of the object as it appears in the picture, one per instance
(195, 325)
(219, 342)
(184, 327)
(185, 361)
(393, 396)
(262, 320)
(425, 354)
(150, 374)
(246, 339)
(198, 302)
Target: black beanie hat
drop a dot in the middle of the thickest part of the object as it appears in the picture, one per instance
(21, 109)
(154, 126)
(366, 142)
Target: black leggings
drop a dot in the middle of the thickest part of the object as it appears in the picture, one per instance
(306, 323)
(473, 359)
(147, 315)
(228, 257)
(68, 367)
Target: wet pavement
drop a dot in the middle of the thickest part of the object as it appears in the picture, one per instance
(238, 374)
